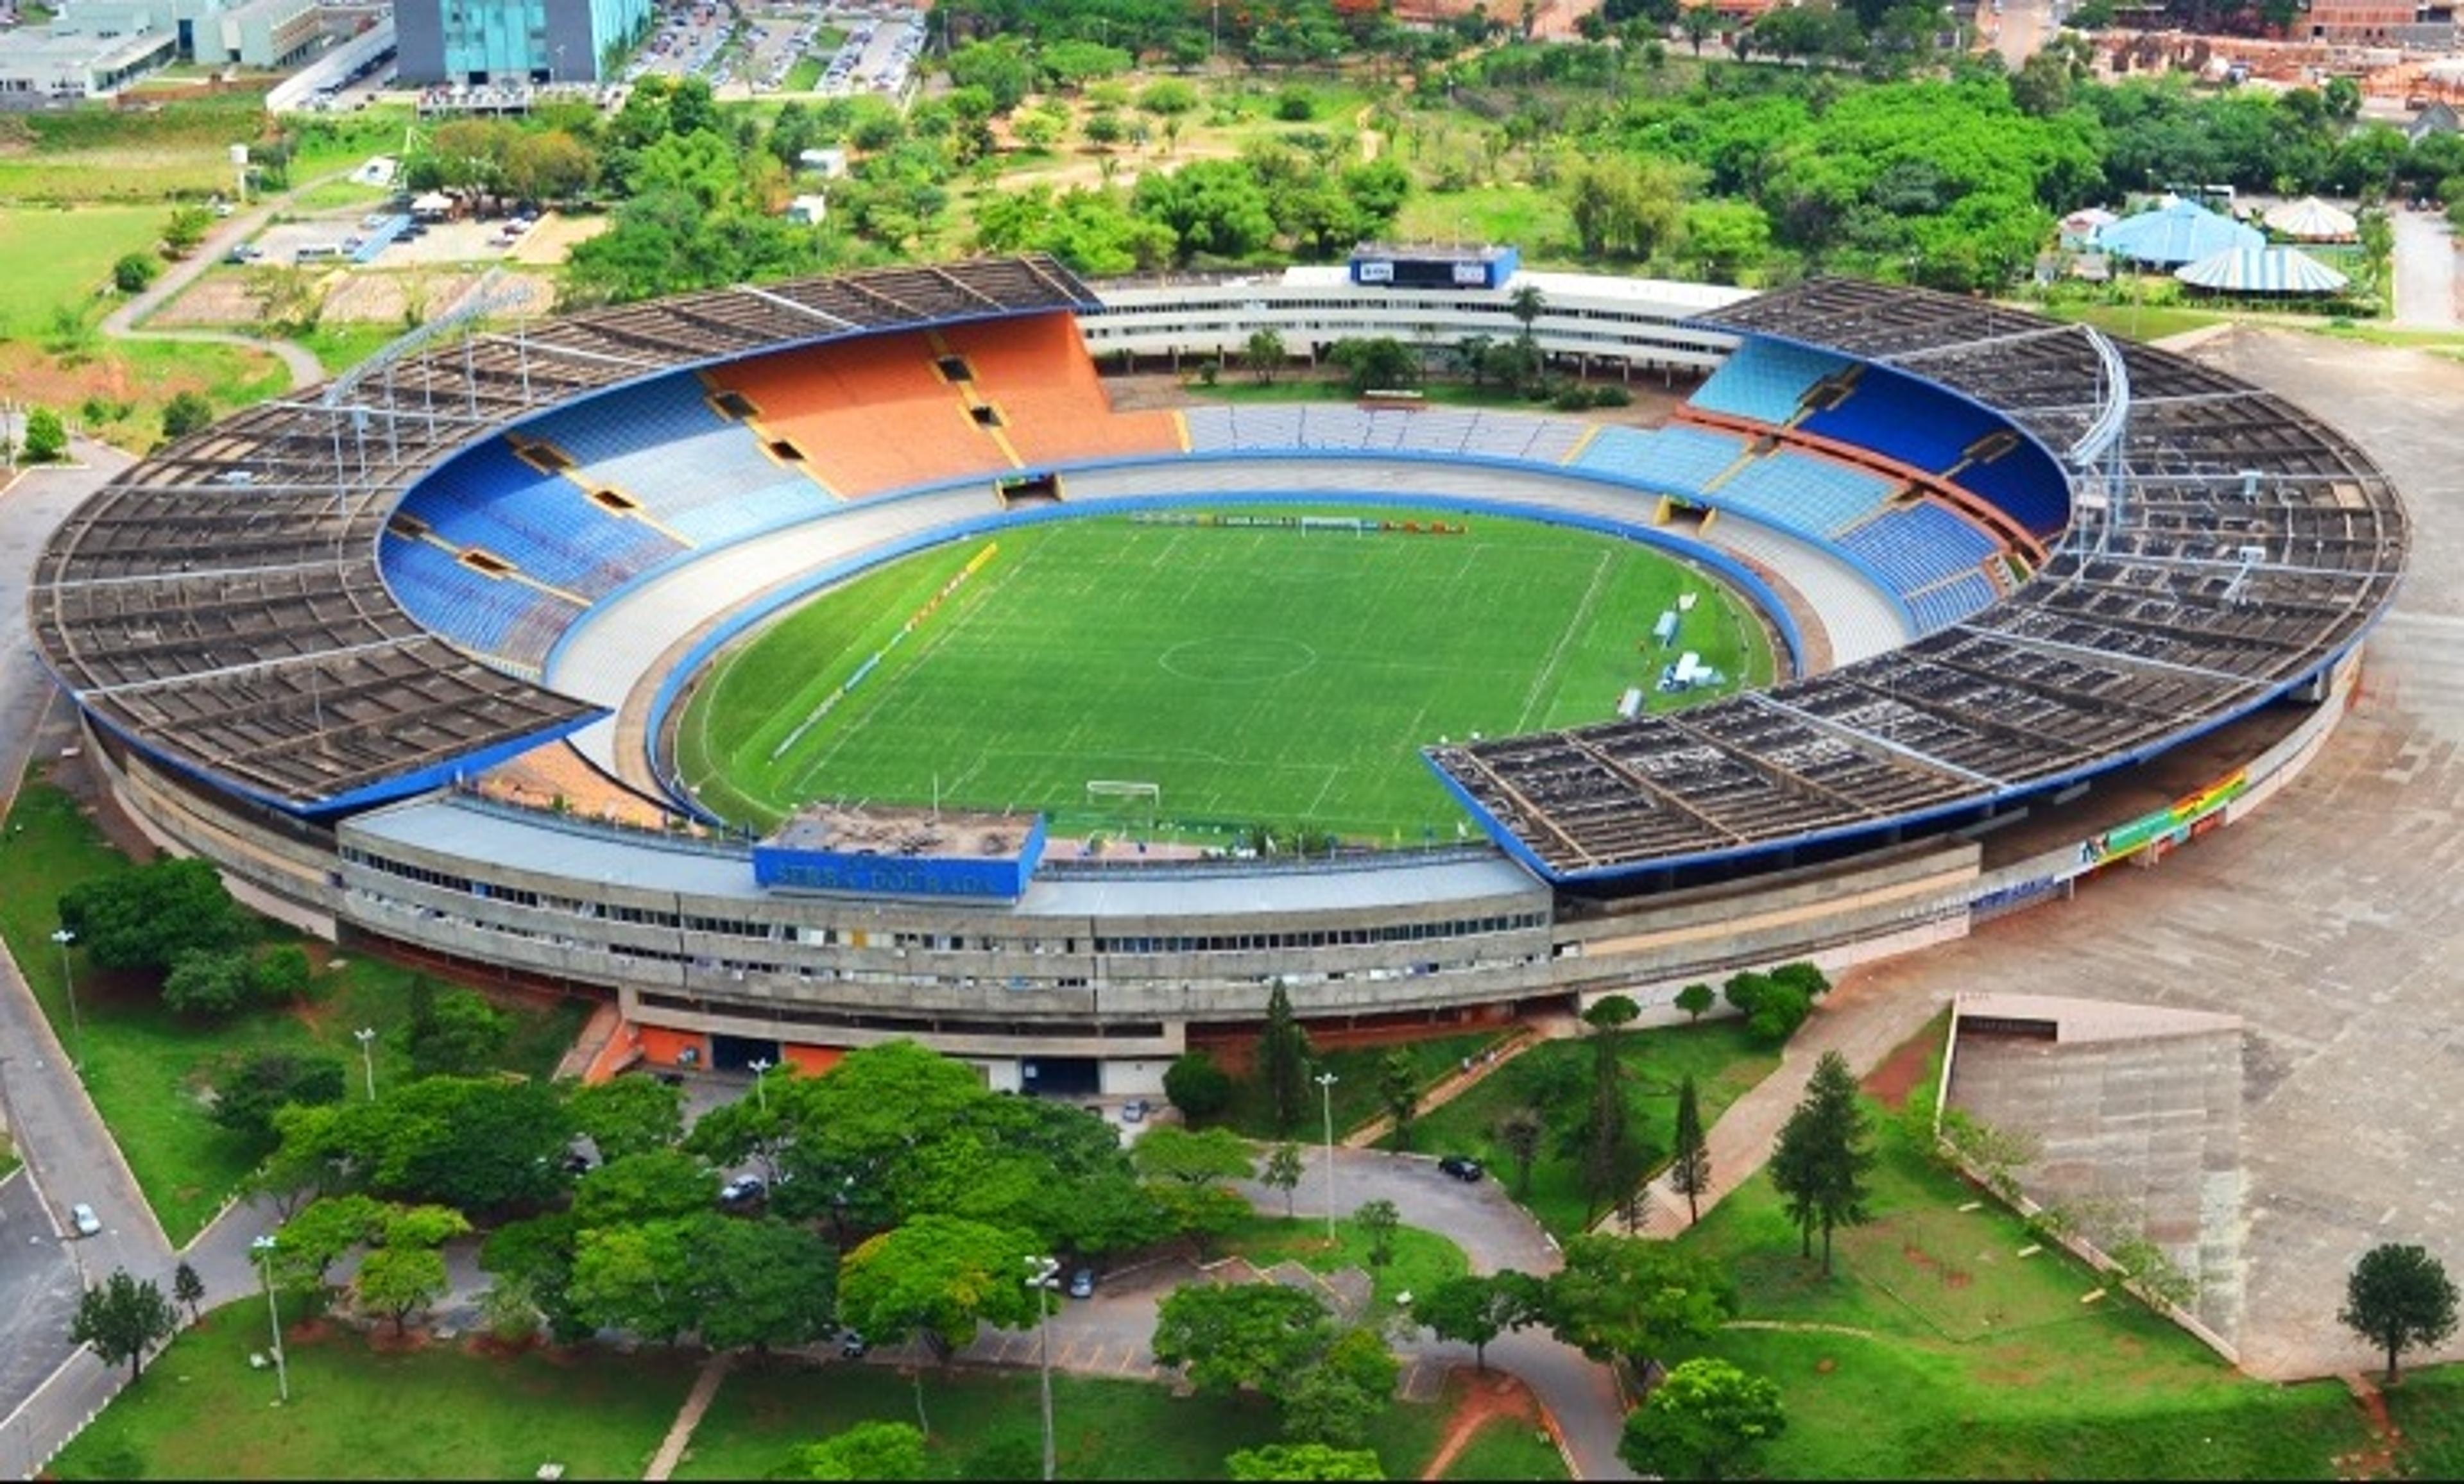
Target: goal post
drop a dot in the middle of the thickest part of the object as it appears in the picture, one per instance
(1122, 794)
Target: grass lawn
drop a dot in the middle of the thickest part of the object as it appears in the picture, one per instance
(1509, 1448)
(439, 1414)
(2428, 1407)
(1254, 674)
(1976, 1362)
(1355, 1100)
(2137, 322)
(985, 1424)
(805, 75)
(148, 1070)
(1535, 220)
(49, 258)
(1723, 1059)
(1421, 1258)
(341, 346)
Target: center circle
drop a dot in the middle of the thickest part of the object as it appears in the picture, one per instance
(1238, 659)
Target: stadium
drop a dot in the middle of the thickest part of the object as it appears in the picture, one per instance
(426, 659)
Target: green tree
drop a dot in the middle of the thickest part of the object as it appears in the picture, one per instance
(207, 982)
(651, 1184)
(461, 1035)
(1283, 1049)
(1616, 1297)
(1246, 1335)
(1376, 362)
(630, 1115)
(1378, 1220)
(146, 916)
(280, 975)
(1822, 1157)
(761, 1283)
(1476, 1309)
(1282, 1171)
(1700, 23)
(1198, 1086)
(1398, 1089)
(245, 1098)
(187, 228)
(1303, 1461)
(637, 1277)
(1705, 1420)
(1612, 1158)
(1334, 1400)
(1696, 999)
(2398, 1298)
(134, 273)
(1262, 355)
(937, 1279)
(1519, 1130)
(1191, 1156)
(187, 1288)
(867, 1451)
(123, 1319)
(395, 1280)
(1214, 207)
(1689, 1165)
(46, 438)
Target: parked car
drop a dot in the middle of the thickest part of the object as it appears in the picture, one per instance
(1082, 1284)
(852, 1346)
(742, 1190)
(1462, 1167)
(82, 1217)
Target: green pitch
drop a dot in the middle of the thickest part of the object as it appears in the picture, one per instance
(1255, 676)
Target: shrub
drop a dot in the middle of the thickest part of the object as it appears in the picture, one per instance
(134, 273)
(1198, 1088)
(1292, 105)
(1612, 394)
(188, 412)
(47, 437)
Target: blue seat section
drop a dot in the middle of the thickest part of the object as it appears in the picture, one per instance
(1805, 492)
(1210, 429)
(1765, 380)
(783, 501)
(494, 616)
(1947, 603)
(1673, 457)
(1901, 418)
(543, 524)
(660, 442)
(1919, 546)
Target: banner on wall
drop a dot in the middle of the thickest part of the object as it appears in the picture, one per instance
(2169, 827)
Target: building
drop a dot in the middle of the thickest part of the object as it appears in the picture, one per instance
(265, 34)
(2426, 24)
(497, 41)
(38, 69)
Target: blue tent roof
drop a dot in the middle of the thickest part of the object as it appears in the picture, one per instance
(2262, 270)
(2183, 231)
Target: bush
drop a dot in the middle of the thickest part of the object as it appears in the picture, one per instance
(47, 437)
(207, 982)
(188, 412)
(1292, 105)
(1198, 1088)
(282, 974)
(134, 273)
(1775, 1004)
(1612, 396)
(1573, 399)
(149, 916)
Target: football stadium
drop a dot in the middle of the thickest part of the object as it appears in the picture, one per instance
(811, 665)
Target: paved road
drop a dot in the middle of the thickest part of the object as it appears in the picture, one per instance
(2425, 272)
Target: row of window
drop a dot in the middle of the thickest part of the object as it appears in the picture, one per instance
(1333, 937)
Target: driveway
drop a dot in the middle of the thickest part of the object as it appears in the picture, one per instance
(2425, 272)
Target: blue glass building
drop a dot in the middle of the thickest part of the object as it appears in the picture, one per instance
(478, 41)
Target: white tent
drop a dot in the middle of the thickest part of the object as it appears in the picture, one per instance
(2311, 220)
(2262, 270)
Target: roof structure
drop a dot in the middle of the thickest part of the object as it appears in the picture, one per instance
(219, 605)
(2177, 232)
(2232, 547)
(2268, 270)
(2311, 220)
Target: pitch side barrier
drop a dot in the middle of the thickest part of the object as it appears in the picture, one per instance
(672, 684)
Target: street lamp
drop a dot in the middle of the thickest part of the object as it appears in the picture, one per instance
(1043, 1274)
(68, 977)
(1326, 1082)
(263, 1247)
(367, 1036)
(761, 1094)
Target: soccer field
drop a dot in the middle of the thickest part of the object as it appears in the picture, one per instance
(1254, 675)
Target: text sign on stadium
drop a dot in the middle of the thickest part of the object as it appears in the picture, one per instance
(1380, 272)
(1475, 274)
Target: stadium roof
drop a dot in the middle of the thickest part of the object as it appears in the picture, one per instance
(2244, 547)
(219, 605)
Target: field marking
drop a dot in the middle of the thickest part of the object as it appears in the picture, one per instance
(1306, 663)
(1539, 682)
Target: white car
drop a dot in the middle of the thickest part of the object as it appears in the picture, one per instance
(82, 1217)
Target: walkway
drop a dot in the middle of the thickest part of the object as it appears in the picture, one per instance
(671, 1451)
(2425, 271)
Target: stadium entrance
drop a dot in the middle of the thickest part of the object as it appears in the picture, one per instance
(1062, 1076)
(739, 1052)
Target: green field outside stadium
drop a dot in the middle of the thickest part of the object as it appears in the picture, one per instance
(1255, 675)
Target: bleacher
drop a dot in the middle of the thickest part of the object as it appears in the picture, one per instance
(1332, 427)
(1948, 601)
(1676, 458)
(1036, 371)
(1918, 545)
(1765, 380)
(661, 443)
(546, 526)
(498, 618)
(1915, 423)
(1805, 492)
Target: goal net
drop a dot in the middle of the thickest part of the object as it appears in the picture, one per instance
(1123, 803)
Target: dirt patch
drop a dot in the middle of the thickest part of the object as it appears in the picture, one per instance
(2377, 1459)
(1475, 1400)
(384, 1342)
(1891, 1082)
(1949, 1277)
(66, 381)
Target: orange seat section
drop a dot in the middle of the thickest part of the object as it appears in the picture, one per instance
(868, 415)
(1036, 370)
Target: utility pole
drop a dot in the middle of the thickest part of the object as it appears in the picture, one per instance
(1326, 1082)
(1043, 1277)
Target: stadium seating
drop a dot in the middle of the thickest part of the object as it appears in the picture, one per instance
(544, 525)
(1805, 492)
(1918, 545)
(1442, 431)
(1674, 458)
(661, 443)
(1904, 419)
(1036, 371)
(1946, 604)
(502, 617)
(1765, 380)
(867, 415)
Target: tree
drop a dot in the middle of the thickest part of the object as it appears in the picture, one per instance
(207, 982)
(395, 1280)
(457, 1035)
(1282, 1171)
(1822, 1157)
(1689, 1165)
(1476, 1310)
(187, 1288)
(280, 975)
(1378, 1220)
(1214, 207)
(759, 1284)
(938, 1278)
(549, 165)
(653, 1184)
(1399, 1088)
(1700, 23)
(867, 1451)
(1696, 999)
(134, 273)
(147, 916)
(47, 437)
(474, 1143)
(1334, 1400)
(1191, 1156)
(1617, 1296)
(1613, 1159)
(1303, 1461)
(1705, 1420)
(2399, 1297)
(123, 1319)
(1283, 1050)
(1376, 362)
(1244, 1335)
(187, 228)
(630, 1115)
(1198, 1086)
(245, 1100)
(1519, 1130)
(1262, 355)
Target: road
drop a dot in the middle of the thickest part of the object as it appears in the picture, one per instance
(2425, 272)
